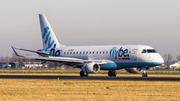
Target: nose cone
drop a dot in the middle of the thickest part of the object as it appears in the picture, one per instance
(159, 60)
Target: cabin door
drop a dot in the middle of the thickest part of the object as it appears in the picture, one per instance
(135, 54)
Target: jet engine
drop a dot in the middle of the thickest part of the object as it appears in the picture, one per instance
(91, 67)
(134, 70)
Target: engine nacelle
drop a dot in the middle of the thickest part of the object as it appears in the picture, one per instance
(134, 70)
(91, 67)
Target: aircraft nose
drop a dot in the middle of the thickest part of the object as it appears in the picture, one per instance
(160, 59)
(157, 60)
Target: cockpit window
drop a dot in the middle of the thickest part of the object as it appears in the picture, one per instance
(151, 51)
(144, 51)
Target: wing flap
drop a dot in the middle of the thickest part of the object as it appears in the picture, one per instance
(58, 59)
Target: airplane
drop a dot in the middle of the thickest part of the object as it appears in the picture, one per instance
(92, 59)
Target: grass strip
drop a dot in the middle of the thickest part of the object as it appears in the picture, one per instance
(87, 90)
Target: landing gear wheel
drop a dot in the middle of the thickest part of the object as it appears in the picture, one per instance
(86, 74)
(110, 73)
(144, 74)
(114, 73)
(81, 73)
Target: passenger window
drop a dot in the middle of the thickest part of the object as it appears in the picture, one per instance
(73, 52)
(100, 52)
(106, 52)
(93, 52)
(103, 52)
(67, 52)
(89, 52)
(76, 52)
(79, 52)
(97, 52)
(70, 52)
(64, 52)
(86, 52)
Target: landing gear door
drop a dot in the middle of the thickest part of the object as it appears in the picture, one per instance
(135, 55)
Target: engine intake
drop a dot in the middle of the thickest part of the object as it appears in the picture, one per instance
(134, 70)
(91, 67)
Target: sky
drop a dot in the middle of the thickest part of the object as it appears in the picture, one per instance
(92, 22)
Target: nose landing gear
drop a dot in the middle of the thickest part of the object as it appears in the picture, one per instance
(144, 74)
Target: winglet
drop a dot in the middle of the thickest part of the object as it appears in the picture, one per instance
(16, 52)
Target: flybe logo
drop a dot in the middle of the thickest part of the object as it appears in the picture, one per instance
(53, 51)
(122, 54)
(47, 33)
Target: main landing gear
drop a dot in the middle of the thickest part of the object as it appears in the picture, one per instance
(83, 74)
(144, 74)
(112, 73)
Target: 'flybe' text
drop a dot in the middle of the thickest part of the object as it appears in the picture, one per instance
(47, 34)
(122, 54)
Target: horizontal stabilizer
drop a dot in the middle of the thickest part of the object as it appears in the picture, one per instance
(44, 54)
(16, 52)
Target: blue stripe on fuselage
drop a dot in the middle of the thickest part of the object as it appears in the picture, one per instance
(115, 66)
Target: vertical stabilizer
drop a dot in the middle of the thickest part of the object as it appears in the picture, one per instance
(48, 37)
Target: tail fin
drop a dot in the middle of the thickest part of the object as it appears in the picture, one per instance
(48, 37)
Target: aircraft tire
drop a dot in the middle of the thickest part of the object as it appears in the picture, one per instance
(86, 74)
(144, 74)
(114, 73)
(110, 73)
(81, 73)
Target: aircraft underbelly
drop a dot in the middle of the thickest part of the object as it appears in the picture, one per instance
(115, 66)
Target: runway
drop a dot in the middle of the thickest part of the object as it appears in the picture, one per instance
(90, 78)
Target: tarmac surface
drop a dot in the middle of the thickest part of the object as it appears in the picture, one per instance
(90, 78)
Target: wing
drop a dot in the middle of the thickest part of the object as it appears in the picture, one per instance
(57, 59)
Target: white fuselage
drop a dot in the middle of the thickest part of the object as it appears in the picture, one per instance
(116, 56)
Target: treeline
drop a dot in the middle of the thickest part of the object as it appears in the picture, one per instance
(168, 59)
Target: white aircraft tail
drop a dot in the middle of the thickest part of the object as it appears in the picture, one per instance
(48, 37)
